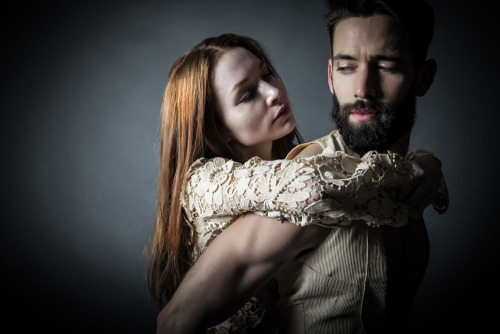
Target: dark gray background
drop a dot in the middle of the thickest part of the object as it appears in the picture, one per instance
(82, 86)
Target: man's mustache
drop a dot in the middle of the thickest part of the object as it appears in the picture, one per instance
(365, 107)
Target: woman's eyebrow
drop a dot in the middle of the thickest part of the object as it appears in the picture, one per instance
(240, 83)
(262, 65)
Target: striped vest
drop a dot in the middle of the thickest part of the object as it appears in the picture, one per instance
(339, 287)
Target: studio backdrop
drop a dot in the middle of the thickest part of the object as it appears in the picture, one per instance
(82, 85)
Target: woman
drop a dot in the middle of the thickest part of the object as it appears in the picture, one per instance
(224, 99)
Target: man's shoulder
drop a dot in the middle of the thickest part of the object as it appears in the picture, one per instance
(316, 146)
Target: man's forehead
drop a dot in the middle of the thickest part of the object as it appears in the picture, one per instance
(378, 34)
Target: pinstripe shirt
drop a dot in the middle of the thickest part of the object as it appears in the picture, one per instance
(339, 287)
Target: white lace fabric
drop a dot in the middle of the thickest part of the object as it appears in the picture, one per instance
(330, 189)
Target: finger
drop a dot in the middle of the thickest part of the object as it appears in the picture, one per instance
(415, 183)
(417, 204)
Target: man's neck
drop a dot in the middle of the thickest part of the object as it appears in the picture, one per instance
(401, 145)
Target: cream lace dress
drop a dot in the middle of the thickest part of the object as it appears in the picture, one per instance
(330, 189)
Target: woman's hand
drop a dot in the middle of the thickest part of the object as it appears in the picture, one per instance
(422, 190)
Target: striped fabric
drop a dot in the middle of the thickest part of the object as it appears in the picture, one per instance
(340, 286)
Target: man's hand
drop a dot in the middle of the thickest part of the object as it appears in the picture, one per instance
(422, 190)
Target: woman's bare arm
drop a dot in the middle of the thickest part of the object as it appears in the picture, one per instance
(232, 269)
(235, 266)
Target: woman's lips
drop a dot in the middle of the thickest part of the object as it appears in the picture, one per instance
(283, 111)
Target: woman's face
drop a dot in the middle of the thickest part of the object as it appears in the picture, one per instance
(252, 102)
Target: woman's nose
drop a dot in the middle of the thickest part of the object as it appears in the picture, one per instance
(272, 92)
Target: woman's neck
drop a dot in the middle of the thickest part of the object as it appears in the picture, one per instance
(263, 151)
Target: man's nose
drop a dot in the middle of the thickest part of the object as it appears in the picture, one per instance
(366, 84)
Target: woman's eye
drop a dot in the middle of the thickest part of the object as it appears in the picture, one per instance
(248, 95)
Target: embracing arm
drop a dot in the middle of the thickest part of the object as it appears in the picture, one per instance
(235, 265)
(330, 189)
(428, 187)
(232, 269)
(425, 184)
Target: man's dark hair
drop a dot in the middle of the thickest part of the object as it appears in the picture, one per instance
(415, 16)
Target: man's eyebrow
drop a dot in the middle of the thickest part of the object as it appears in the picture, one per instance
(244, 80)
(395, 59)
(343, 56)
(372, 58)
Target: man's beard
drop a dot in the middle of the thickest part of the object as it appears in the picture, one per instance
(390, 124)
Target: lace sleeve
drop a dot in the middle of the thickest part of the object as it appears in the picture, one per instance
(329, 189)
(442, 201)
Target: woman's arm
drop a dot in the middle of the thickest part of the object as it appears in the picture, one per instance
(329, 189)
(237, 263)
(428, 186)
(235, 266)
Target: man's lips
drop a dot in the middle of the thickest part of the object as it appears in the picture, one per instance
(363, 114)
(363, 111)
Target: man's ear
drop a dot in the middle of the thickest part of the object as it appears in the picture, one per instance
(330, 70)
(426, 76)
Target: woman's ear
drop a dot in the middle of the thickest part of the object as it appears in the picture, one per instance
(426, 76)
(226, 135)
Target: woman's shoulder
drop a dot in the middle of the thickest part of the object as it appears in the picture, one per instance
(305, 150)
(314, 147)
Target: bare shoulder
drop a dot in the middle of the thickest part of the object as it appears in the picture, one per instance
(310, 150)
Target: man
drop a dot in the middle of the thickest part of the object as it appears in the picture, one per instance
(377, 69)
(353, 279)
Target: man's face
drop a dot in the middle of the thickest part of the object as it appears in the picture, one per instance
(373, 81)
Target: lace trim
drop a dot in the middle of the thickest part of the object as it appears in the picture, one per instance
(248, 316)
(329, 189)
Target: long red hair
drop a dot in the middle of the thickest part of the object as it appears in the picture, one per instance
(190, 129)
